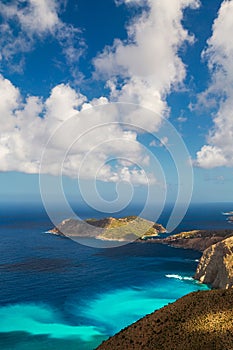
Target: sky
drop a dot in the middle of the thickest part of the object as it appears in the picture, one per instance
(116, 99)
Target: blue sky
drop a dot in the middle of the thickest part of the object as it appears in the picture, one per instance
(65, 64)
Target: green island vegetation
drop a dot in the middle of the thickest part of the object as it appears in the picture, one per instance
(127, 228)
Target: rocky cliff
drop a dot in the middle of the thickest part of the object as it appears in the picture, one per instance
(196, 239)
(216, 265)
(200, 320)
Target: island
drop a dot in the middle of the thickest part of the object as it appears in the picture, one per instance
(128, 228)
(215, 267)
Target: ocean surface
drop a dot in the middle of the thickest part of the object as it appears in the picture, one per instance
(57, 294)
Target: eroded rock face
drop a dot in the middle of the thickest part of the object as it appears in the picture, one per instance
(216, 265)
(197, 239)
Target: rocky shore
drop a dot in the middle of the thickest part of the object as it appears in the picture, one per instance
(196, 239)
(200, 320)
(215, 267)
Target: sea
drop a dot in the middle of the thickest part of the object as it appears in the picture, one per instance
(58, 294)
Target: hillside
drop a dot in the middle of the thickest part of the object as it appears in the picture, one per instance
(198, 321)
(128, 228)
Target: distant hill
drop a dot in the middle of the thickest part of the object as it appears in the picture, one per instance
(128, 228)
(198, 321)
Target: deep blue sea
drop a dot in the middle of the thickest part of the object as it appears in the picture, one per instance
(57, 294)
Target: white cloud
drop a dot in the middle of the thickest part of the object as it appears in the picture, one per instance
(148, 62)
(10, 99)
(162, 143)
(141, 71)
(38, 17)
(182, 119)
(125, 174)
(153, 143)
(210, 157)
(63, 102)
(35, 19)
(219, 53)
(85, 138)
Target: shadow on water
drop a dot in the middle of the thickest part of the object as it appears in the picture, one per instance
(26, 341)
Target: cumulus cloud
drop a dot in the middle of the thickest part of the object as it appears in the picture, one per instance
(79, 140)
(219, 54)
(210, 157)
(35, 19)
(145, 68)
(38, 17)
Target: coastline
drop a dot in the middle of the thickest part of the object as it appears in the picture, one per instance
(134, 266)
(215, 268)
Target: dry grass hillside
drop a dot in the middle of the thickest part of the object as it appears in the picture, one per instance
(198, 321)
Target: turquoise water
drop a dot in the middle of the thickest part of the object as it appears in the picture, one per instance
(106, 314)
(57, 294)
(119, 308)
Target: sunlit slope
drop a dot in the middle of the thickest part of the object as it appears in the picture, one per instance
(200, 320)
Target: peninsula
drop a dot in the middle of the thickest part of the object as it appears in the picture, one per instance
(215, 267)
(196, 239)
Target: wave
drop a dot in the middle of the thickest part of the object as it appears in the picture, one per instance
(228, 213)
(196, 260)
(178, 277)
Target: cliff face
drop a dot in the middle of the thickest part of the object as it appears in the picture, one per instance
(200, 320)
(216, 265)
(197, 239)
